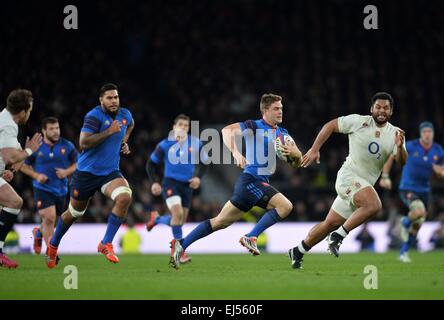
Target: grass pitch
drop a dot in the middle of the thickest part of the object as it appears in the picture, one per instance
(268, 276)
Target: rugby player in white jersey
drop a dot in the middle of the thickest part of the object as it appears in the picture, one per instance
(372, 140)
(17, 111)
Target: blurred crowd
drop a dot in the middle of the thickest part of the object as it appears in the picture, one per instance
(212, 60)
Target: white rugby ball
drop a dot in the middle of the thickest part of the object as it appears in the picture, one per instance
(283, 139)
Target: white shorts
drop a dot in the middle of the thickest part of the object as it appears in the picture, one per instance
(347, 185)
(2, 182)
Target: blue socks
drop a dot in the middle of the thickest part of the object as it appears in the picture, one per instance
(201, 231)
(267, 220)
(165, 219)
(59, 232)
(177, 232)
(38, 234)
(406, 246)
(114, 223)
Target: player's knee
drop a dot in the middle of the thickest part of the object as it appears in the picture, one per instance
(17, 202)
(50, 220)
(122, 196)
(74, 213)
(375, 206)
(285, 208)
(48, 217)
(123, 200)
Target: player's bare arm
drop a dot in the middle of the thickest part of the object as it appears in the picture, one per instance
(385, 181)
(12, 155)
(125, 147)
(63, 173)
(229, 134)
(401, 154)
(30, 172)
(439, 170)
(323, 135)
(90, 140)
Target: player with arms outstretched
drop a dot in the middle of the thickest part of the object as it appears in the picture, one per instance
(372, 140)
(103, 137)
(252, 187)
(180, 156)
(425, 158)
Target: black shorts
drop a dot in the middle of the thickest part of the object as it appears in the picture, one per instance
(250, 191)
(408, 197)
(44, 199)
(85, 184)
(171, 187)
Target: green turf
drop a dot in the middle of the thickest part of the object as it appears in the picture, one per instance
(228, 277)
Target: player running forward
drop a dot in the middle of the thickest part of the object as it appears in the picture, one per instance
(372, 140)
(252, 188)
(104, 134)
(425, 158)
(183, 169)
(49, 167)
(17, 112)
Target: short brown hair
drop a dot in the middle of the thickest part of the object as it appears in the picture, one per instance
(182, 117)
(19, 100)
(267, 100)
(49, 120)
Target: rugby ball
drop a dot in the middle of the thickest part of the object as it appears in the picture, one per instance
(281, 140)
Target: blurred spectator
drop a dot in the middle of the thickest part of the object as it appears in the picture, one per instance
(131, 239)
(438, 235)
(366, 239)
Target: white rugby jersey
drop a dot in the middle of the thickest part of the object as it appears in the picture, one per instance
(369, 145)
(8, 135)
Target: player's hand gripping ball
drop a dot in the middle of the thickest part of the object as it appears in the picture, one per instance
(286, 140)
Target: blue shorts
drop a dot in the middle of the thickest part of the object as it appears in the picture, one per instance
(85, 184)
(250, 191)
(409, 196)
(171, 187)
(44, 199)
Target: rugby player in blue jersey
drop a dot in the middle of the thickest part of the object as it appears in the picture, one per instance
(252, 187)
(104, 135)
(182, 170)
(49, 167)
(425, 159)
